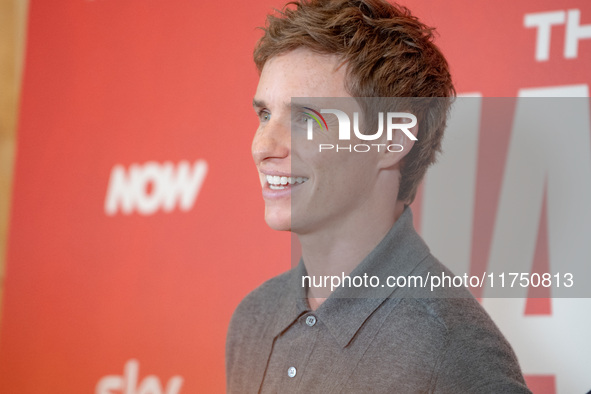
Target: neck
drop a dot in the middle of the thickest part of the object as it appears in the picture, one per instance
(336, 250)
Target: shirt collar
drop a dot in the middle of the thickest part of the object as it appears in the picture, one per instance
(292, 303)
(345, 311)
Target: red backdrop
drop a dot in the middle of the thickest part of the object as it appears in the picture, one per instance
(116, 95)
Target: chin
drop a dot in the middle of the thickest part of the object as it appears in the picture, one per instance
(278, 222)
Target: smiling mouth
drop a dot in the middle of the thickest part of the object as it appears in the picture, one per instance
(283, 182)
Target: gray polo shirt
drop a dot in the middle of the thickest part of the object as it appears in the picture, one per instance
(366, 339)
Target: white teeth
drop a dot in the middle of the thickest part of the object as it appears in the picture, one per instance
(280, 182)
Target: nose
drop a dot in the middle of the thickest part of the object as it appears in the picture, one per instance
(271, 141)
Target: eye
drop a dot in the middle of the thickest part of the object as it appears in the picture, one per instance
(302, 118)
(305, 117)
(264, 115)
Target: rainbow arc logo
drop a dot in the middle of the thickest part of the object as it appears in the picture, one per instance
(317, 117)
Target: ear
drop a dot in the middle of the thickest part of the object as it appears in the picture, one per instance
(398, 147)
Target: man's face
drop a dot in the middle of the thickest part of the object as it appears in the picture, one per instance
(306, 190)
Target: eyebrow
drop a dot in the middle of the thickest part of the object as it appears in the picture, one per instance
(257, 103)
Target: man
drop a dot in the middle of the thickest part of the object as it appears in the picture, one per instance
(350, 212)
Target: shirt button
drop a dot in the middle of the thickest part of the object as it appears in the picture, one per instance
(291, 372)
(311, 320)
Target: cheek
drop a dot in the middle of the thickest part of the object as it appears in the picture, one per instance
(334, 168)
(340, 172)
(359, 170)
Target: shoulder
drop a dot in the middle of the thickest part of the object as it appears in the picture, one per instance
(262, 301)
(257, 309)
(476, 357)
(249, 331)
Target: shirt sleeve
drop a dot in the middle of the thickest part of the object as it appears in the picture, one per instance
(478, 359)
